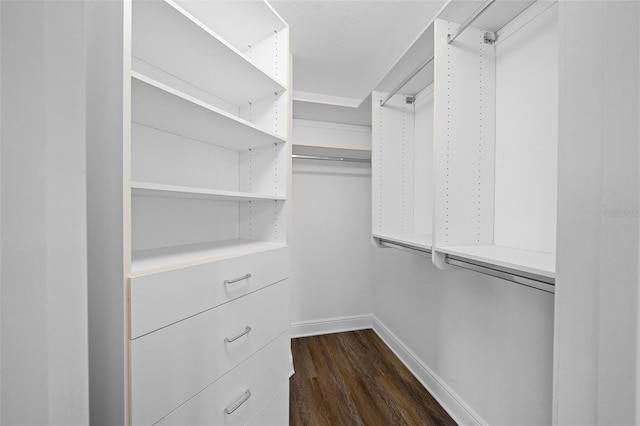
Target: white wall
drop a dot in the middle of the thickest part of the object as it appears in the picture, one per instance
(488, 340)
(44, 373)
(332, 267)
(596, 333)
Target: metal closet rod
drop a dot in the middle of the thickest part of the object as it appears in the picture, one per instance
(450, 38)
(405, 81)
(470, 20)
(544, 284)
(405, 247)
(541, 283)
(327, 158)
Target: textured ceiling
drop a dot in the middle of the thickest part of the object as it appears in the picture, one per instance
(343, 49)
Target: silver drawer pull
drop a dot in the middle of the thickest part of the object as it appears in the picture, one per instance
(245, 277)
(233, 407)
(247, 329)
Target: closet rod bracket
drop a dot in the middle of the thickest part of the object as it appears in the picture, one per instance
(490, 38)
(470, 20)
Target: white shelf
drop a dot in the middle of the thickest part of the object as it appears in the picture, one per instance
(423, 241)
(533, 262)
(160, 259)
(245, 22)
(148, 189)
(162, 107)
(170, 38)
(331, 147)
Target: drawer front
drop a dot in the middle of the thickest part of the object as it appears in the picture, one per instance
(275, 412)
(163, 298)
(261, 375)
(171, 365)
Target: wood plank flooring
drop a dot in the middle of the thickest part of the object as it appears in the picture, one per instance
(353, 378)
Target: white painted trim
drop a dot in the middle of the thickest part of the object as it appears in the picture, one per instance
(319, 98)
(460, 411)
(330, 325)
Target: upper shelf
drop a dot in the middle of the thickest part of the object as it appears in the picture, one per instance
(162, 107)
(241, 23)
(168, 37)
(499, 14)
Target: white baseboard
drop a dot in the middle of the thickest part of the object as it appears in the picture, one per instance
(462, 413)
(330, 325)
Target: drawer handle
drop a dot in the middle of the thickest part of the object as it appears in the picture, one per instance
(247, 329)
(233, 407)
(245, 277)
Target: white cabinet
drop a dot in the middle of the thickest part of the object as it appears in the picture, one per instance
(496, 142)
(466, 167)
(236, 397)
(209, 129)
(401, 168)
(171, 365)
(209, 185)
(272, 413)
(163, 298)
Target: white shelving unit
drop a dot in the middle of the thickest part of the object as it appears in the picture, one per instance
(466, 167)
(496, 140)
(169, 38)
(210, 158)
(209, 200)
(402, 147)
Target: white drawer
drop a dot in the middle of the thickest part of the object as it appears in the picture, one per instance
(162, 298)
(171, 365)
(261, 375)
(275, 412)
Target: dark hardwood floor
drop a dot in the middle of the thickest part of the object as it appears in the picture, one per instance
(353, 378)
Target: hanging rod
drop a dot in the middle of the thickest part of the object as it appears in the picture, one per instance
(470, 20)
(405, 81)
(406, 248)
(540, 283)
(326, 158)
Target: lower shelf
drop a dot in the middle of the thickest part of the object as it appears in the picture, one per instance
(144, 261)
(533, 262)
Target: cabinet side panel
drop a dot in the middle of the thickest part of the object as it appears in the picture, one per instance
(264, 170)
(464, 137)
(270, 54)
(423, 163)
(263, 221)
(393, 140)
(107, 49)
(376, 163)
(267, 113)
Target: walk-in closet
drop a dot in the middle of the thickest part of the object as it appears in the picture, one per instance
(319, 212)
